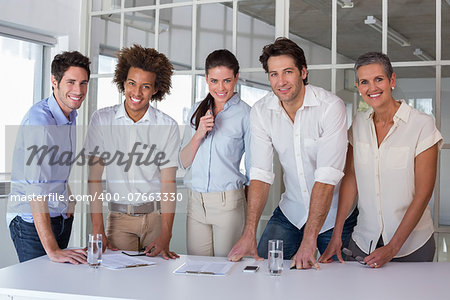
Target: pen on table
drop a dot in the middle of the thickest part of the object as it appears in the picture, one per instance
(140, 253)
(294, 267)
(138, 265)
(200, 272)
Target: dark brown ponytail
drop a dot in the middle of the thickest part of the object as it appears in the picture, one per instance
(201, 110)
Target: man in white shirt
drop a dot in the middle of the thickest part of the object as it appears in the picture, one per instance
(138, 144)
(307, 127)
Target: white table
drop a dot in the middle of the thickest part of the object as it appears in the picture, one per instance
(42, 279)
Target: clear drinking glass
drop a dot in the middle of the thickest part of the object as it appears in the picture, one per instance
(275, 257)
(94, 251)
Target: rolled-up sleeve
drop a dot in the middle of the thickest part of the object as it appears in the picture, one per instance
(332, 145)
(37, 174)
(261, 149)
(45, 168)
(429, 135)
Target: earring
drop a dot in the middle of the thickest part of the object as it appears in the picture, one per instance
(360, 94)
(393, 88)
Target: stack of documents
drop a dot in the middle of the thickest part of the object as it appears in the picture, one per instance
(204, 267)
(121, 261)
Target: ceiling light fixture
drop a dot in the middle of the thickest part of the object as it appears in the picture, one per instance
(392, 34)
(348, 3)
(422, 55)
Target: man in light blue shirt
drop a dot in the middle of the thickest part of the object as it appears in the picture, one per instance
(39, 214)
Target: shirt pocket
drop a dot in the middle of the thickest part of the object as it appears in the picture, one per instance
(230, 143)
(362, 153)
(231, 132)
(397, 157)
(310, 148)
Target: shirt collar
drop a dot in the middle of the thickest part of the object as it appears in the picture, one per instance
(402, 113)
(233, 100)
(310, 99)
(275, 103)
(147, 117)
(58, 114)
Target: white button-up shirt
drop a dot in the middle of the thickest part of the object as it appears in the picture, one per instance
(385, 176)
(112, 130)
(312, 148)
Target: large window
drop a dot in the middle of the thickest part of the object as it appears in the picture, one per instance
(20, 83)
(186, 31)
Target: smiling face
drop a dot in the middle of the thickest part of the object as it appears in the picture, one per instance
(286, 79)
(374, 85)
(139, 89)
(71, 90)
(221, 82)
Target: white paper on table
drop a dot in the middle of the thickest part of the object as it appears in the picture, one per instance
(204, 267)
(122, 261)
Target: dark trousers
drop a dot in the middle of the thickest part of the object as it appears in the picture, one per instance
(280, 228)
(424, 253)
(26, 239)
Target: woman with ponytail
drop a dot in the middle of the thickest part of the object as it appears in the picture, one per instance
(212, 147)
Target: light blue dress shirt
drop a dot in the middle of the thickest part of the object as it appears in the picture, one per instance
(216, 164)
(44, 125)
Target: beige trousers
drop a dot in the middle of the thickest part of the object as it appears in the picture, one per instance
(133, 233)
(215, 222)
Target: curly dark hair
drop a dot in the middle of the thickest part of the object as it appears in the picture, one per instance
(284, 46)
(63, 61)
(147, 59)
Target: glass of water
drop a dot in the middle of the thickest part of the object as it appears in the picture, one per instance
(275, 257)
(94, 251)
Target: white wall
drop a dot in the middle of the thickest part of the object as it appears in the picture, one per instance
(51, 17)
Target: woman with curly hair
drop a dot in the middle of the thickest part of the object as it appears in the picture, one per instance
(212, 148)
(139, 217)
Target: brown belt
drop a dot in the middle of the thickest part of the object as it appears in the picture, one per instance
(135, 210)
